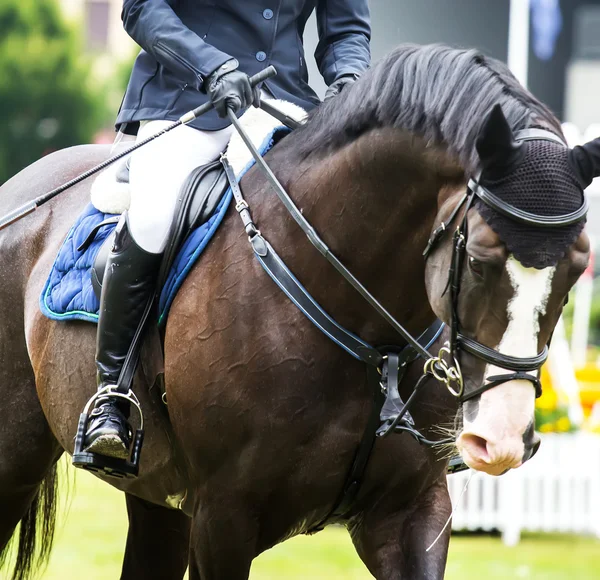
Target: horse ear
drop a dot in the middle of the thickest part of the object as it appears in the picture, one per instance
(496, 145)
(585, 161)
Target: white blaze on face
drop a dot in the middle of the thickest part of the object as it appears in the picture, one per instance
(531, 292)
(505, 411)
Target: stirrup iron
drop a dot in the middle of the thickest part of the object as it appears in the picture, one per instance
(111, 466)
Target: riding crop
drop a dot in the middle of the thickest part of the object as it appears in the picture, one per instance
(32, 205)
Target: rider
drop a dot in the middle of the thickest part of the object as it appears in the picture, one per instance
(194, 51)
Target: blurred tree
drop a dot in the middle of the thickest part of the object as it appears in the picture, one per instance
(46, 101)
(123, 71)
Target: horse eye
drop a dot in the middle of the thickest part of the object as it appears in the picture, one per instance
(476, 266)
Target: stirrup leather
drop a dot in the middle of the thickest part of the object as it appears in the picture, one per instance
(111, 466)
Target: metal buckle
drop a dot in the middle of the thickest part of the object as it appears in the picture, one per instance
(380, 366)
(444, 372)
(459, 239)
(241, 205)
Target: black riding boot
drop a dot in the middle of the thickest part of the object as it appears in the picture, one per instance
(128, 285)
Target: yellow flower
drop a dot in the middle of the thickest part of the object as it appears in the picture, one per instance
(548, 401)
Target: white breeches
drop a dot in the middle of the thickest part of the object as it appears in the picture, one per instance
(157, 172)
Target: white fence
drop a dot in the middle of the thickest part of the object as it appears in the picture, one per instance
(556, 491)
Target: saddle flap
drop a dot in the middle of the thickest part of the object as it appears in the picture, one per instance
(99, 266)
(205, 187)
(200, 194)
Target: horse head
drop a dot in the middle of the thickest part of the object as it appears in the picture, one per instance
(512, 261)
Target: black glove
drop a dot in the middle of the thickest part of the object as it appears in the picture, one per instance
(229, 88)
(336, 87)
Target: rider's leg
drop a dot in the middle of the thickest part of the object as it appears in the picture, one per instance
(127, 286)
(157, 172)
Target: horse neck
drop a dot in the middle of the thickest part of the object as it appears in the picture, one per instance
(374, 203)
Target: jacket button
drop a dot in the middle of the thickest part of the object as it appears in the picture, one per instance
(260, 56)
(268, 14)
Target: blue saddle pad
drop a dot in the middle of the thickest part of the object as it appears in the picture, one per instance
(68, 292)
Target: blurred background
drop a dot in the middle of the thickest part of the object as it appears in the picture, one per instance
(64, 65)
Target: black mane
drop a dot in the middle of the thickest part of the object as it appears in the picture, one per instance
(435, 91)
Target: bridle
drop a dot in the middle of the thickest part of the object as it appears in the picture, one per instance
(446, 367)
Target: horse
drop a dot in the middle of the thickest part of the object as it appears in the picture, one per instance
(263, 412)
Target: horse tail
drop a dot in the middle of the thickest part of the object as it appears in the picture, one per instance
(40, 518)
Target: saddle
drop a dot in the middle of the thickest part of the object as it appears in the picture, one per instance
(200, 195)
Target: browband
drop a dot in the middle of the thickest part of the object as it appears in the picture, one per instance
(525, 217)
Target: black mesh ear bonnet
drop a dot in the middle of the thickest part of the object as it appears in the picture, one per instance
(536, 175)
(542, 182)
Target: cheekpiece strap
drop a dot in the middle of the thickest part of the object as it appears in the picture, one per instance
(437, 234)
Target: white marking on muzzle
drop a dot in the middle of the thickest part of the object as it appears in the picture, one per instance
(506, 410)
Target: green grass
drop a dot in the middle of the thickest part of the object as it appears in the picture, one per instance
(92, 529)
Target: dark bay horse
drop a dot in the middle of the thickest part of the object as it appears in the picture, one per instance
(264, 413)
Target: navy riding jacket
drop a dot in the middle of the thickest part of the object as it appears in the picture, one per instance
(184, 41)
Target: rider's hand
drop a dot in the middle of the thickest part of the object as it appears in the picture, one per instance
(336, 87)
(229, 88)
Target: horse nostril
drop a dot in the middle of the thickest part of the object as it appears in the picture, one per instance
(476, 446)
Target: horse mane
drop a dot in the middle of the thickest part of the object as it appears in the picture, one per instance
(439, 93)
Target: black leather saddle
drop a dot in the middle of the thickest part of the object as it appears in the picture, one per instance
(200, 194)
